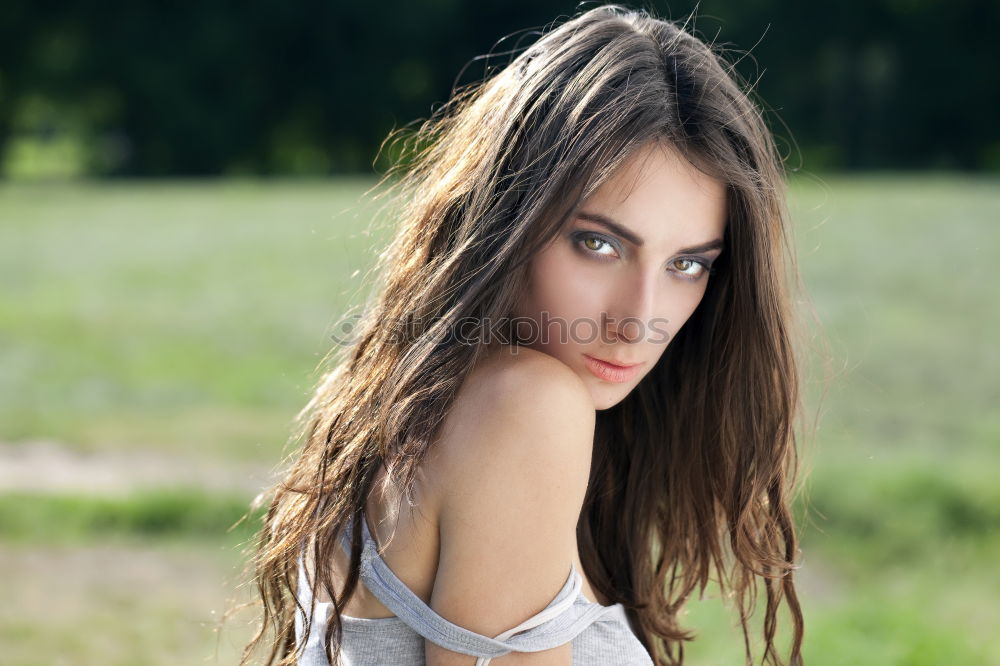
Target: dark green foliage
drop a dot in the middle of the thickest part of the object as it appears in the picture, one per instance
(313, 87)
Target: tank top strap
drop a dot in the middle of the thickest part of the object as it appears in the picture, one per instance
(565, 617)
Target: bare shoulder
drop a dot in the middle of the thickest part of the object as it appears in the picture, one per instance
(517, 404)
(512, 467)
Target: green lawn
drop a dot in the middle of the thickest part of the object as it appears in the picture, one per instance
(183, 316)
(190, 317)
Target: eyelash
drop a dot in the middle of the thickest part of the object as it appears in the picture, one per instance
(581, 237)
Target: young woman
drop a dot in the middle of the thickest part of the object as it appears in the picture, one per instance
(573, 397)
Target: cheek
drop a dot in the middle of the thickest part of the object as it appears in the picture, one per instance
(564, 287)
(683, 304)
(688, 300)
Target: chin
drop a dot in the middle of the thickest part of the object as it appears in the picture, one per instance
(603, 401)
(606, 405)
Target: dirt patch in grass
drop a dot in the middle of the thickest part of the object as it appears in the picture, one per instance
(47, 466)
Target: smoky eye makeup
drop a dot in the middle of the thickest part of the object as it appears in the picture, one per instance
(706, 267)
(596, 244)
(600, 246)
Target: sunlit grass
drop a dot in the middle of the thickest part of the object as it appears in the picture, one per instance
(133, 308)
(159, 514)
(122, 602)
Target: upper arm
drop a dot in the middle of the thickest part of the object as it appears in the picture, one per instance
(517, 453)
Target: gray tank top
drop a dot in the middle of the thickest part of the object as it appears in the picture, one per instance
(601, 635)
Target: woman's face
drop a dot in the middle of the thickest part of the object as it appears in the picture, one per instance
(621, 278)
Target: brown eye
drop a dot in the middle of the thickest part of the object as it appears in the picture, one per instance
(691, 269)
(595, 245)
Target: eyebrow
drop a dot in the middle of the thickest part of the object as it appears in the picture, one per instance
(631, 236)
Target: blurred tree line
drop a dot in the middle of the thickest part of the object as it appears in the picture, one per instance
(313, 86)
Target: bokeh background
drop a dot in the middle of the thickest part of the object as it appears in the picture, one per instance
(183, 225)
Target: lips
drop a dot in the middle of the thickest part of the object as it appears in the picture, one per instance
(620, 364)
(610, 371)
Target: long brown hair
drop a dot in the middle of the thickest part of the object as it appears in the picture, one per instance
(700, 457)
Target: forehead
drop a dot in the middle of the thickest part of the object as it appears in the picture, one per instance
(659, 194)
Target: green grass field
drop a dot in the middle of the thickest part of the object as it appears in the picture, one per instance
(188, 319)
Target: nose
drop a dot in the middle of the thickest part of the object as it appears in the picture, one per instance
(629, 318)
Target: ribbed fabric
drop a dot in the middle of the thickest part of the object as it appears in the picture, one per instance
(601, 635)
